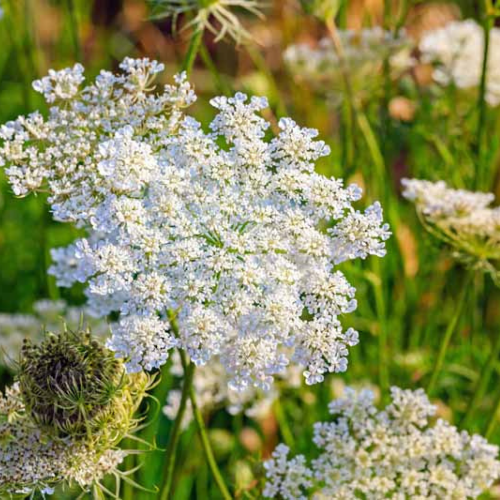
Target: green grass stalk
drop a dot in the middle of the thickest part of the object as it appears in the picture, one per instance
(284, 426)
(492, 423)
(445, 341)
(75, 32)
(482, 383)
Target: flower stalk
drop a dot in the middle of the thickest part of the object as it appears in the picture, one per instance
(202, 431)
(480, 175)
(171, 453)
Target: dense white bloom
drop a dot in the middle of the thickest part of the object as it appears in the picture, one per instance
(363, 54)
(211, 384)
(217, 16)
(286, 478)
(233, 236)
(48, 315)
(61, 85)
(31, 461)
(393, 453)
(457, 51)
(462, 219)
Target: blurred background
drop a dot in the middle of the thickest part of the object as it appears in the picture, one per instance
(405, 300)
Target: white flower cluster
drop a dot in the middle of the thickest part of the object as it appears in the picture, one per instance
(30, 461)
(232, 234)
(457, 51)
(363, 53)
(462, 219)
(48, 315)
(211, 384)
(394, 453)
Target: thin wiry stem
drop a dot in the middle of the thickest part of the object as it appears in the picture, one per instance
(202, 431)
(480, 175)
(445, 341)
(171, 453)
(493, 418)
(194, 47)
(482, 383)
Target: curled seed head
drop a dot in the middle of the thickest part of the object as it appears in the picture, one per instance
(69, 382)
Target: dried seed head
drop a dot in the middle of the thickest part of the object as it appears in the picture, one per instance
(69, 382)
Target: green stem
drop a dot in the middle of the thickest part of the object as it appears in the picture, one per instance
(487, 25)
(373, 148)
(493, 419)
(285, 430)
(129, 463)
(260, 63)
(383, 358)
(192, 52)
(202, 431)
(349, 104)
(482, 383)
(445, 341)
(220, 81)
(73, 22)
(173, 441)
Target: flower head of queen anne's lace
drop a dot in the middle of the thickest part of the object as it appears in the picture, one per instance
(394, 453)
(464, 220)
(233, 235)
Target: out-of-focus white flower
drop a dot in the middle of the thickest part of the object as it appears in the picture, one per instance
(211, 383)
(363, 54)
(457, 52)
(233, 234)
(217, 16)
(394, 453)
(47, 315)
(462, 219)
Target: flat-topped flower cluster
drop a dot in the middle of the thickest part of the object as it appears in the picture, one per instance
(222, 243)
(394, 453)
(462, 219)
(457, 52)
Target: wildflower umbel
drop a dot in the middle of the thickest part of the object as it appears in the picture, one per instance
(217, 16)
(457, 53)
(463, 219)
(393, 453)
(233, 235)
(62, 422)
